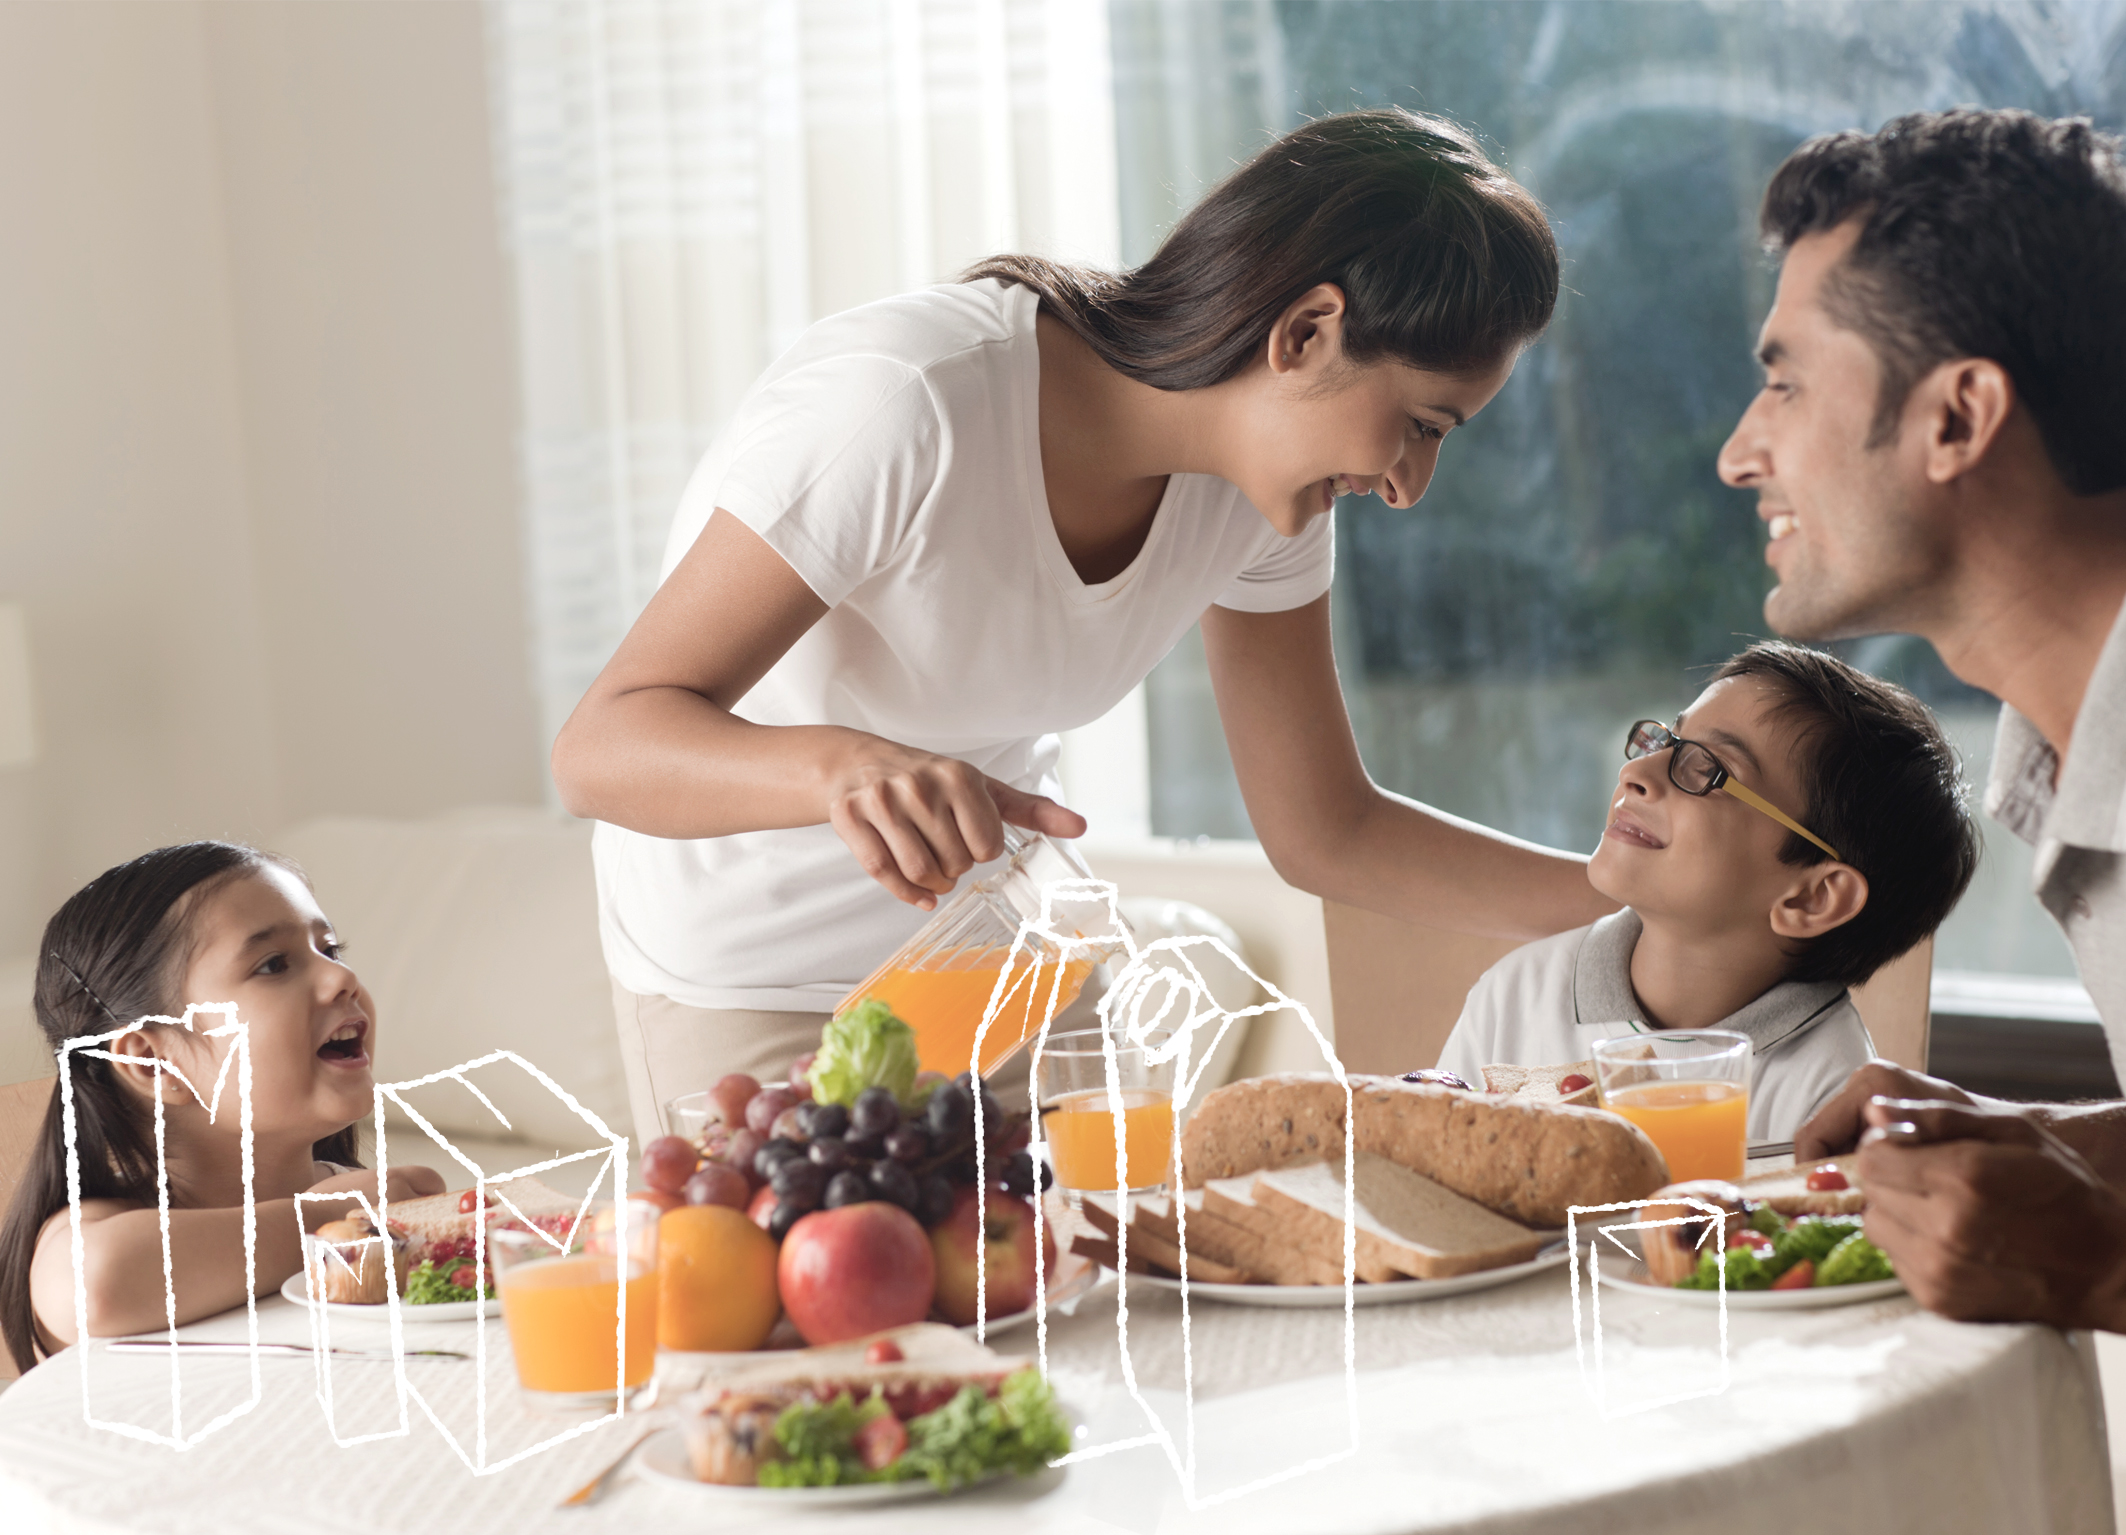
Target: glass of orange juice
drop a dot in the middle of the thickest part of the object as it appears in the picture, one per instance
(1688, 1090)
(1078, 1111)
(582, 1316)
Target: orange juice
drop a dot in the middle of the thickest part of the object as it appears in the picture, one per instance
(560, 1313)
(944, 1002)
(1081, 1138)
(1701, 1127)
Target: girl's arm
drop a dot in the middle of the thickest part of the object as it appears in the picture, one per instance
(121, 1256)
(1329, 829)
(654, 746)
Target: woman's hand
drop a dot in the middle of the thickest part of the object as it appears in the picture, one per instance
(654, 745)
(916, 821)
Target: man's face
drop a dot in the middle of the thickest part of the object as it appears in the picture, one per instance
(1853, 550)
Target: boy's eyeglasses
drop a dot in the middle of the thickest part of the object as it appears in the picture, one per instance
(1695, 770)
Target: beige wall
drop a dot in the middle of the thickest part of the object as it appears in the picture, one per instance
(257, 485)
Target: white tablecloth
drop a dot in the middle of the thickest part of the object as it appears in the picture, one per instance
(1472, 1412)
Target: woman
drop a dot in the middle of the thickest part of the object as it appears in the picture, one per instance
(945, 526)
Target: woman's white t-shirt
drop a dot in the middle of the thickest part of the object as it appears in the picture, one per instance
(892, 456)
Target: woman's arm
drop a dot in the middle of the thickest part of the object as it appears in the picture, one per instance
(121, 1255)
(654, 746)
(1331, 830)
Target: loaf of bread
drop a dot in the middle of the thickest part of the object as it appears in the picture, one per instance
(1525, 1159)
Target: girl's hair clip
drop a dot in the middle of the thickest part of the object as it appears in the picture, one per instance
(87, 990)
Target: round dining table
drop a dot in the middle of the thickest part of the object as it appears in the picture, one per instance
(1515, 1408)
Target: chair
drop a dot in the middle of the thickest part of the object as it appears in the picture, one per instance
(22, 1109)
(1398, 988)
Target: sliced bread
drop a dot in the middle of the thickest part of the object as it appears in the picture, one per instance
(1541, 1082)
(1786, 1189)
(1406, 1223)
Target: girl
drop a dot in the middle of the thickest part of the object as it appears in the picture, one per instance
(199, 922)
(946, 526)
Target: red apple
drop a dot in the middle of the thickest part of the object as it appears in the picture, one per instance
(857, 1270)
(1012, 1255)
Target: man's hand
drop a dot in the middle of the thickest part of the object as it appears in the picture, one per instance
(1989, 1218)
(1836, 1127)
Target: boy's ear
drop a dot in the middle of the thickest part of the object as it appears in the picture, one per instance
(1827, 895)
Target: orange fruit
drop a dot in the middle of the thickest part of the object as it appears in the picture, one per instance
(715, 1281)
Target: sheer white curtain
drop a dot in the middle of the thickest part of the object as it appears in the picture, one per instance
(687, 184)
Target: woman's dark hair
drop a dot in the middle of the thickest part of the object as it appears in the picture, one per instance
(1884, 789)
(1445, 262)
(1983, 234)
(112, 954)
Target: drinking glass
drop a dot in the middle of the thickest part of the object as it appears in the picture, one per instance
(1078, 1120)
(1688, 1090)
(561, 1303)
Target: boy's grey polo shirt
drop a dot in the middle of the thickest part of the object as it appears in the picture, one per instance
(1547, 1002)
(2074, 813)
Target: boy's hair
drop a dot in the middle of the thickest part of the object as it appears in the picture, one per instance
(1884, 788)
(1990, 234)
(114, 953)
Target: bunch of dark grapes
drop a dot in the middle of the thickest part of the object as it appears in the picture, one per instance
(821, 1156)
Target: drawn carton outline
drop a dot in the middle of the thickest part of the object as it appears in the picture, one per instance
(615, 1165)
(1134, 987)
(320, 1312)
(1715, 1219)
(238, 1057)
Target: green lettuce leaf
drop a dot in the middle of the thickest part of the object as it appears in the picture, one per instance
(429, 1286)
(1855, 1260)
(867, 1046)
(974, 1436)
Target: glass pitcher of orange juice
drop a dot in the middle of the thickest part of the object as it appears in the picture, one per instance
(942, 979)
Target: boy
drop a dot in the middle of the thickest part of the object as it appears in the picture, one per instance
(1801, 826)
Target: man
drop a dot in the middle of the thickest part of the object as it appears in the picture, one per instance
(1940, 449)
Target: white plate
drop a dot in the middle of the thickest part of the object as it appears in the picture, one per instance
(1631, 1276)
(663, 1458)
(1309, 1296)
(441, 1311)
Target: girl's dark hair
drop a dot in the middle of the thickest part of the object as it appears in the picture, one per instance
(1884, 788)
(1445, 262)
(112, 954)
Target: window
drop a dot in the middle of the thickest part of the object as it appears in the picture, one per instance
(1576, 563)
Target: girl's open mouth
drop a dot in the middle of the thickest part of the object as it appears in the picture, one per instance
(344, 1048)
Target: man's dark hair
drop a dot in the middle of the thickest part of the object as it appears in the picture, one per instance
(1884, 789)
(1984, 234)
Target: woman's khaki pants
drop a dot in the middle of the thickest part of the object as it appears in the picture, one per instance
(668, 1048)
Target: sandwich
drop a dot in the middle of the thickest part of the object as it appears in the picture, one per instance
(917, 1401)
